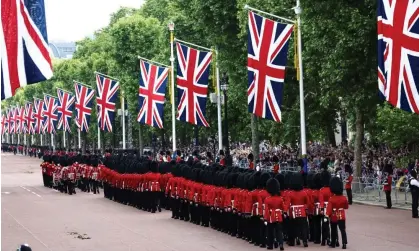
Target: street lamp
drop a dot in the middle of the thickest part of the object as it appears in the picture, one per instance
(224, 88)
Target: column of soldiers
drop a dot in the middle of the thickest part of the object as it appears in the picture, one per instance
(265, 209)
(64, 171)
(32, 151)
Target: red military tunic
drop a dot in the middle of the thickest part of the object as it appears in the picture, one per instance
(299, 202)
(223, 162)
(336, 208)
(251, 166)
(276, 168)
(274, 207)
(348, 184)
(324, 195)
(388, 181)
(315, 201)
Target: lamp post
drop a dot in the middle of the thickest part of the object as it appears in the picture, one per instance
(224, 88)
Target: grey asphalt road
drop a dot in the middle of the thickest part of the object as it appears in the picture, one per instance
(49, 220)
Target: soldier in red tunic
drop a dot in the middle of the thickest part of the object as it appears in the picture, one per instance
(336, 212)
(222, 158)
(299, 202)
(250, 159)
(324, 195)
(317, 215)
(94, 174)
(275, 160)
(273, 214)
(348, 182)
(387, 182)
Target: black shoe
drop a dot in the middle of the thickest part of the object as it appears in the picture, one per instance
(305, 244)
(323, 243)
(262, 246)
(337, 244)
(276, 245)
(317, 242)
(281, 247)
(270, 248)
(344, 246)
(298, 242)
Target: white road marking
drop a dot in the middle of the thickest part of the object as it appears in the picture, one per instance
(29, 231)
(31, 191)
(6, 192)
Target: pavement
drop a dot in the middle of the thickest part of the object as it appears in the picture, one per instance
(49, 220)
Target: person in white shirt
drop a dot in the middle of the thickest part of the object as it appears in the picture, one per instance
(414, 190)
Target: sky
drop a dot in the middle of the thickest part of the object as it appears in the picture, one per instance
(73, 20)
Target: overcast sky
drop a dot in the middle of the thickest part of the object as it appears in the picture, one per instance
(72, 20)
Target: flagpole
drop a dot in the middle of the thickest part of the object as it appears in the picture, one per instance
(41, 139)
(300, 64)
(123, 122)
(64, 131)
(172, 86)
(18, 138)
(154, 62)
(52, 141)
(32, 139)
(220, 134)
(79, 138)
(98, 138)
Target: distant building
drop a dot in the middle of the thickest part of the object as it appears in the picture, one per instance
(63, 49)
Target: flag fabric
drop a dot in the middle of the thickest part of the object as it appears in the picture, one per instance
(4, 123)
(20, 118)
(12, 116)
(25, 56)
(267, 49)
(38, 115)
(151, 92)
(107, 94)
(50, 114)
(65, 109)
(84, 96)
(398, 53)
(29, 118)
(7, 121)
(192, 84)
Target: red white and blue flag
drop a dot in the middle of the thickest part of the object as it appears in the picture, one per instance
(20, 119)
(107, 94)
(38, 115)
(12, 116)
(50, 114)
(29, 118)
(398, 53)
(65, 109)
(25, 57)
(84, 96)
(4, 123)
(153, 82)
(267, 48)
(192, 84)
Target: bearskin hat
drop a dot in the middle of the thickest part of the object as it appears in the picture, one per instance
(310, 180)
(348, 168)
(325, 175)
(297, 182)
(318, 181)
(336, 186)
(273, 186)
(221, 153)
(250, 157)
(251, 181)
(414, 174)
(264, 177)
(275, 159)
(281, 179)
(388, 168)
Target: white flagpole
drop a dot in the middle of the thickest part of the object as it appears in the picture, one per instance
(79, 138)
(300, 65)
(172, 86)
(52, 141)
(24, 139)
(98, 138)
(32, 139)
(220, 134)
(64, 132)
(41, 139)
(18, 139)
(123, 122)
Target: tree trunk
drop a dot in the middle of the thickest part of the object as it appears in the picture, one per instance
(129, 136)
(359, 124)
(83, 142)
(255, 137)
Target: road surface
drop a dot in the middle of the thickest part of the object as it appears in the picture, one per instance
(49, 220)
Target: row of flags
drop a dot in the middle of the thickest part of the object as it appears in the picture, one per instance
(398, 73)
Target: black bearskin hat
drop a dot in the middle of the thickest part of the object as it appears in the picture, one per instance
(168, 153)
(325, 178)
(154, 167)
(221, 153)
(250, 157)
(273, 187)
(263, 179)
(318, 181)
(348, 168)
(275, 159)
(281, 179)
(287, 181)
(251, 181)
(297, 182)
(388, 168)
(414, 174)
(336, 186)
(310, 180)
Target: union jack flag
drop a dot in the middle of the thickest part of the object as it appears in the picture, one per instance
(39, 115)
(65, 109)
(4, 123)
(25, 57)
(398, 53)
(106, 99)
(84, 96)
(192, 84)
(29, 118)
(50, 114)
(267, 48)
(153, 82)
(12, 117)
(20, 119)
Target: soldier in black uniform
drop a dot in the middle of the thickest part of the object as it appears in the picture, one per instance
(414, 190)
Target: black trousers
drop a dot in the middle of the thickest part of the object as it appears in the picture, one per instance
(325, 228)
(334, 232)
(388, 198)
(274, 233)
(311, 227)
(349, 194)
(94, 185)
(299, 229)
(415, 198)
(317, 228)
